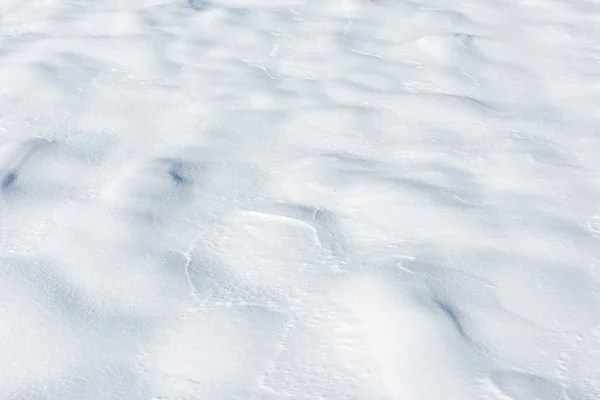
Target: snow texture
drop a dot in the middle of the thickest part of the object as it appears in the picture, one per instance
(300, 199)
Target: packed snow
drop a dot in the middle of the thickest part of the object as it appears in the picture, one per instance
(300, 199)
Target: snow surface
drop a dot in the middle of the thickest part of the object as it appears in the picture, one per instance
(300, 199)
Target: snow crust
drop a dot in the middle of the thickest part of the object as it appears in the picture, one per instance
(300, 199)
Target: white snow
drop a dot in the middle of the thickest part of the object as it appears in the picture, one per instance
(300, 199)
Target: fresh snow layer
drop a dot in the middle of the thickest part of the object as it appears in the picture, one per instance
(300, 199)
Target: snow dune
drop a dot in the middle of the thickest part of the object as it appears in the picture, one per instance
(300, 199)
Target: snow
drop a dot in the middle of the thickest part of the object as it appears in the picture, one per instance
(299, 199)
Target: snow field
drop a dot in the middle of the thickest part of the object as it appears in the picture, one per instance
(254, 199)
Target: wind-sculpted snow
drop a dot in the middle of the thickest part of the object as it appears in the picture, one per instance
(299, 199)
